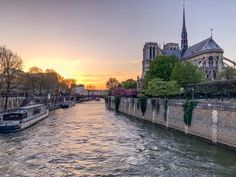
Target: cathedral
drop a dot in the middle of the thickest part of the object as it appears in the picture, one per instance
(207, 54)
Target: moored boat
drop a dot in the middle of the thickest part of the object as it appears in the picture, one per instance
(67, 104)
(97, 99)
(22, 118)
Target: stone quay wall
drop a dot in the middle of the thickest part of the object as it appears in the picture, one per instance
(214, 121)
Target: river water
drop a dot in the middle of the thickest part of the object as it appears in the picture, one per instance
(88, 140)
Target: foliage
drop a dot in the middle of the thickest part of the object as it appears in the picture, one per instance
(228, 73)
(161, 67)
(165, 108)
(35, 70)
(187, 73)
(112, 83)
(142, 102)
(188, 108)
(153, 102)
(132, 101)
(124, 92)
(158, 87)
(213, 88)
(129, 84)
(138, 105)
(37, 82)
(117, 103)
(107, 101)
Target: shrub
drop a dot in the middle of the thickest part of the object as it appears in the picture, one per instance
(143, 104)
(153, 102)
(165, 107)
(117, 103)
(188, 108)
(132, 101)
(124, 92)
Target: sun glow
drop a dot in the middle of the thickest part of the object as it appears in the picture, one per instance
(90, 72)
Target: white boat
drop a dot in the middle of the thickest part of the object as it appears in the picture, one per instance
(22, 118)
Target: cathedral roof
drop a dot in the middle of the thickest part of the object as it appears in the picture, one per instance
(176, 53)
(208, 45)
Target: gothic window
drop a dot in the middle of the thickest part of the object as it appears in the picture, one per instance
(204, 63)
(150, 52)
(154, 52)
(210, 61)
(214, 75)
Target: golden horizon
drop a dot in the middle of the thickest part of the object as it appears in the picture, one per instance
(75, 69)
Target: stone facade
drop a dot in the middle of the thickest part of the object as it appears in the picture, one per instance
(150, 51)
(211, 120)
(207, 54)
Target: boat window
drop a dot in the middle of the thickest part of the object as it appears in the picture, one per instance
(14, 116)
(36, 111)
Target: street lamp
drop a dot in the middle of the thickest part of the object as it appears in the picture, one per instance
(192, 93)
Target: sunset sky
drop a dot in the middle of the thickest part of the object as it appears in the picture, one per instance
(92, 40)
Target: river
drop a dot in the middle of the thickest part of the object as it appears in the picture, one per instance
(89, 140)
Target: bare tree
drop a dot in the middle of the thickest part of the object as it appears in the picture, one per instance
(10, 70)
(112, 83)
(36, 80)
(35, 70)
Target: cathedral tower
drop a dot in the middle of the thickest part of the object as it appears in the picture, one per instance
(184, 35)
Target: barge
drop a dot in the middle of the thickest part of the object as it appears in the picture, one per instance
(22, 118)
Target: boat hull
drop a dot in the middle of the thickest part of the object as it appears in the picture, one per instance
(15, 128)
(67, 105)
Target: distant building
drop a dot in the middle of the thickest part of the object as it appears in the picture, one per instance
(207, 54)
(79, 90)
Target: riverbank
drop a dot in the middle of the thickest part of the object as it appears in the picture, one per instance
(214, 121)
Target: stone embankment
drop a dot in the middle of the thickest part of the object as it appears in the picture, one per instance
(16, 102)
(214, 121)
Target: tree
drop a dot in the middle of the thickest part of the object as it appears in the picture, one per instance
(229, 73)
(90, 87)
(35, 70)
(161, 67)
(10, 71)
(69, 82)
(157, 87)
(36, 80)
(51, 81)
(186, 73)
(112, 83)
(129, 84)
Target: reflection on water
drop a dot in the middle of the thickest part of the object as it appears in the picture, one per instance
(88, 140)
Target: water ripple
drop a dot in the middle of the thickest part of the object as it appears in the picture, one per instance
(88, 140)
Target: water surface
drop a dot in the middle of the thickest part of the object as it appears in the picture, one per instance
(88, 140)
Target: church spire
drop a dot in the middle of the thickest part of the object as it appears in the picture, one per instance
(184, 35)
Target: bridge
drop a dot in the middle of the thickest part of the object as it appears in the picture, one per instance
(91, 95)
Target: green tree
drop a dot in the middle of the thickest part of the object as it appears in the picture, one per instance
(228, 74)
(129, 84)
(161, 67)
(157, 87)
(187, 73)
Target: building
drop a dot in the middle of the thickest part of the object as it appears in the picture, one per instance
(207, 54)
(79, 90)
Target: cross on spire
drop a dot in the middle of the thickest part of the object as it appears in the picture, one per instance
(211, 32)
